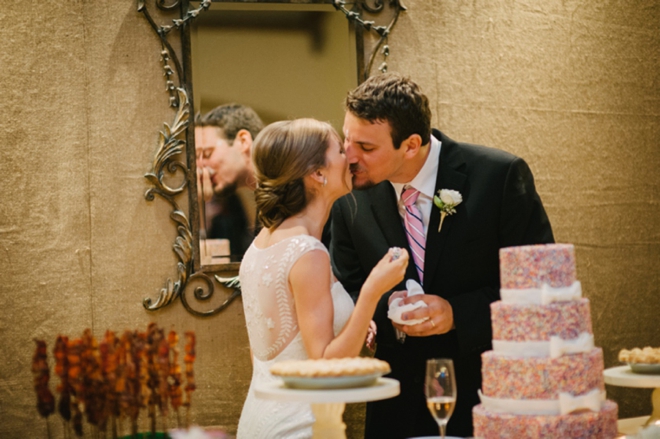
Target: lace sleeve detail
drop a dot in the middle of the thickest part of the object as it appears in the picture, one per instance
(269, 307)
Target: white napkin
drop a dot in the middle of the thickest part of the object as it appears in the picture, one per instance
(395, 311)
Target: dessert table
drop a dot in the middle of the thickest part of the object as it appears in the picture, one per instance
(622, 376)
(328, 404)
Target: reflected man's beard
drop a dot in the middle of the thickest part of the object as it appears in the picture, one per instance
(227, 189)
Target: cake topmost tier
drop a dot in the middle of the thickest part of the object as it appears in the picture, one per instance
(531, 266)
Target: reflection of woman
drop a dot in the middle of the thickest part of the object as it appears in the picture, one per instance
(294, 308)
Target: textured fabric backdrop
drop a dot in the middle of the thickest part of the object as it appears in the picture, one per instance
(571, 86)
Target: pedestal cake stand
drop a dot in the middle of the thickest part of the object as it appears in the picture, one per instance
(328, 405)
(623, 376)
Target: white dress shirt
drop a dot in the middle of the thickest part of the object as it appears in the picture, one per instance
(424, 182)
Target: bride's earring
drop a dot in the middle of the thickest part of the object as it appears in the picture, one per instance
(325, 181)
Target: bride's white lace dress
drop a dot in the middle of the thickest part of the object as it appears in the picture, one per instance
(274, 334)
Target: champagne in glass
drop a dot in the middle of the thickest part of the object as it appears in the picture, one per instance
(440, 390)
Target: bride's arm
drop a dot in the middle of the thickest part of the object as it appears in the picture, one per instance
(310, 283)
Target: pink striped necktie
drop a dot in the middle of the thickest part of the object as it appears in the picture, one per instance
(414, 229)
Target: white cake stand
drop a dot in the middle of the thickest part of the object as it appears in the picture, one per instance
(622, 376)
(328, 405)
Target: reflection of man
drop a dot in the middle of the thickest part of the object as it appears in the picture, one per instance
(400, 164)
(223, 139)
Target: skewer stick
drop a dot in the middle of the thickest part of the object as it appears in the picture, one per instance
(114, 427)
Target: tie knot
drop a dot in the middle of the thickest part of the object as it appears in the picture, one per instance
(409, 196)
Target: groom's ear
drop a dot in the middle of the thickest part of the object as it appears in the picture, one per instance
(411, 145)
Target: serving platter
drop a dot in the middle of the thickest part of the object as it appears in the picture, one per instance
(645, 368)
(340, 382)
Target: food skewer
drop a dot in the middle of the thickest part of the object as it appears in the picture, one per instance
(64, 388)
(163, 368)
(94, 385)
(188, 360)
(109, 369)
(114, 379)
(41, 373)
(74, 350)
(174, 385)
(153, 377)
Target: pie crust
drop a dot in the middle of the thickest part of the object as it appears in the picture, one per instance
(335, 367)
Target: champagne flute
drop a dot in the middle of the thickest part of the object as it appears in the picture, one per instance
(440, 390)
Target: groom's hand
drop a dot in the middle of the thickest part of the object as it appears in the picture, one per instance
(396, 295)
(438, 310)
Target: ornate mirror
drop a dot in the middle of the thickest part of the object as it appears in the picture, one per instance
(283, 58)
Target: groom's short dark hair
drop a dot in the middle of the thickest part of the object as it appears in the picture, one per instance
(395, 99)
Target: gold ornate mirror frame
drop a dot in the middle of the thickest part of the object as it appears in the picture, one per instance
(370, 20)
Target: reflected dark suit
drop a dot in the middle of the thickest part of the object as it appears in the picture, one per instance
(500, 208)
(231, 223)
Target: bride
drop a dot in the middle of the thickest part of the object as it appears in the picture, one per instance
(294, 307)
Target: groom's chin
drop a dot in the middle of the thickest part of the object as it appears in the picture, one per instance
(359, 185)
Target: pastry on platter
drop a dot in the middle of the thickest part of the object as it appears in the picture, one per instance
(648, 355)
(335, 367)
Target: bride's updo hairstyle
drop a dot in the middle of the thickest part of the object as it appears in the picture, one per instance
(283, 154)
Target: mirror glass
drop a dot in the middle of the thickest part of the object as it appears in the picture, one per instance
(283, 61)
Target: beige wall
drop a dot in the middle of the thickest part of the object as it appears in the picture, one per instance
(570, 86)
(284, 64)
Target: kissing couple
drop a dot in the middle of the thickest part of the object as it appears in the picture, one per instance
(303, 301)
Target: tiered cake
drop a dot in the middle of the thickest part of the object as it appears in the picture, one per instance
(544, 377)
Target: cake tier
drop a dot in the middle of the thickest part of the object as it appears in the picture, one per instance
(578, 425)
(531, 266)
(516, 322)
(541, 378)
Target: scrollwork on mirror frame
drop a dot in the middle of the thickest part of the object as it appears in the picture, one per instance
(171, 144)
(173, 140)
(355, 16)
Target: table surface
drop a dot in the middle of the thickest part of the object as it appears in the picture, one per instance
(383, 388)
(622, 376)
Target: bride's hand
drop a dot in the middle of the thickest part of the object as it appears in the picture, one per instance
(389, 271)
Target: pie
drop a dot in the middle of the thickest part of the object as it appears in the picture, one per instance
(335, 367)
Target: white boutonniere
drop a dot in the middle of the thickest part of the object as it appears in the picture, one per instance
(446, 200)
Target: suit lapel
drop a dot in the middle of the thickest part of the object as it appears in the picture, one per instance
(449, 177)
(386, 211)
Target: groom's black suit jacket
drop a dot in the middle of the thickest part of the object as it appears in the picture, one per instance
(500, 208)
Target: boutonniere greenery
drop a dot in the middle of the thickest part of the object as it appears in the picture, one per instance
(446, 200)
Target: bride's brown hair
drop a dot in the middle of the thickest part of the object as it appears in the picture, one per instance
(283, 154)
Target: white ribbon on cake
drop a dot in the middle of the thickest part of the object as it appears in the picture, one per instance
(559, 347)
(565, 404)
(590, 401)
(554, 348)
(542, 296)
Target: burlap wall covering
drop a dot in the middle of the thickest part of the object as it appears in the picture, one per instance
(570, 86)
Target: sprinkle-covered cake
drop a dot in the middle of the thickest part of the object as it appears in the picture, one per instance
(544, 377)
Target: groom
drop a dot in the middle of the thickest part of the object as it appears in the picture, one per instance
(398, 164)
